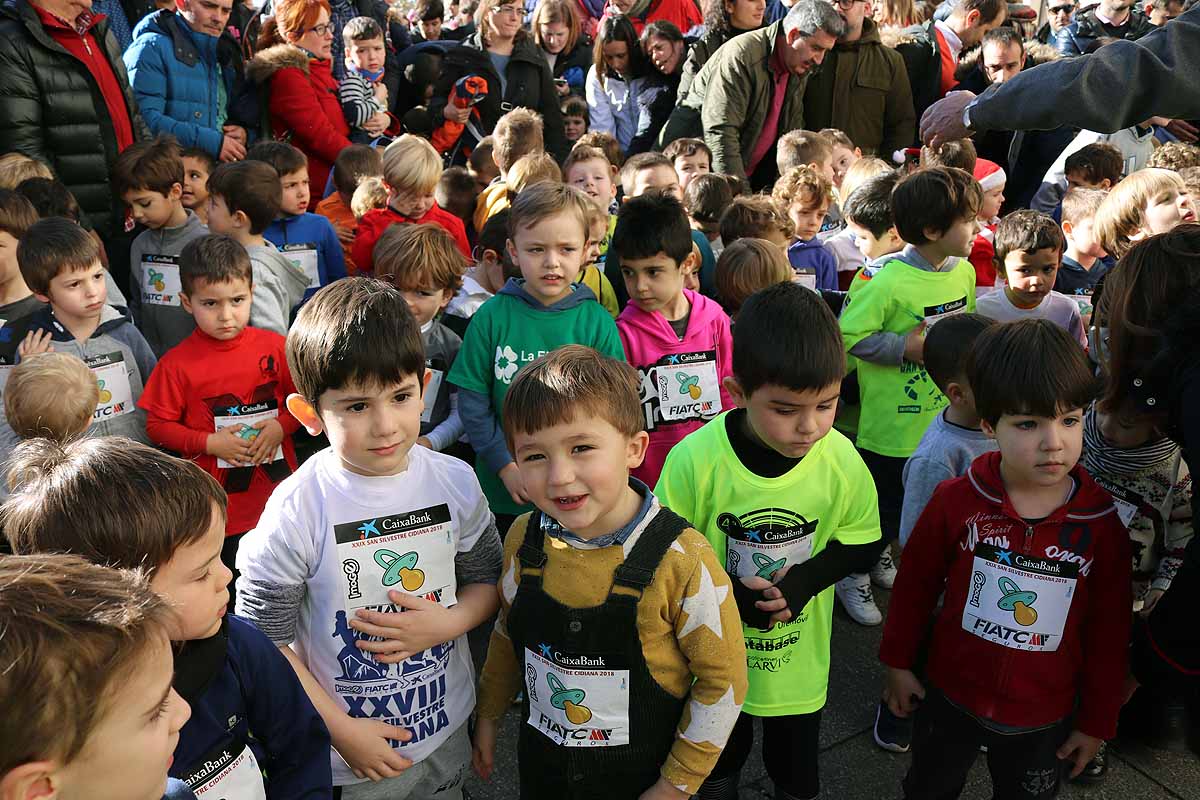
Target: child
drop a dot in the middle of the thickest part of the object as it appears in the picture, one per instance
(646, 171)
(705, 199)
(992, 181)
(532, 315)
(307, 240)
(957, 153)
(518, 133)
(457, 194)
(1028, 248)
(600, 228)
(1082, 263)
(757, 217)
(492, 269)
(747, 266)
(1147, 202)
(840, 242)
(370, 195)
(1134, 146)
(16, 168)
(845, 155)
(353, 164)
(805, 149)
(371, 512)
(576, 118)
(574, 421)
(1096, 166)
(424, 264)
(588, 170)
(869, 218)
(531, 169)
(198, 164)
(249, 715)
(411, 169)
(243, 199)
(482, 163)
(217, 397)
(884, 322)
(88, 632)
(804, 193)
(17, 216)
(678, 339)
(1028, 655)
(691, 158)
(789, 508)
(1175, 156)
(362, 93)
(148, 177)
(606, 143)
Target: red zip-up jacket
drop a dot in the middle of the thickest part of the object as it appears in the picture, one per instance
(377, 220)
(970, 543)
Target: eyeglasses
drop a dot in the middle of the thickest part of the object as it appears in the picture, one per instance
(846, 5)
(510, 9)
(1055, 10)
(323, 30)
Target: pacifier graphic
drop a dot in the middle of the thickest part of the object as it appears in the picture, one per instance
(689, 384)
(401, 569)
(247, 433)
(105, 394)
(1018, 601)
(156, 280)
(570, 701)
(766, 566)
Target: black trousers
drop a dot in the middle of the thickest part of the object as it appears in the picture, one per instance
(888, 472)
(790, 747)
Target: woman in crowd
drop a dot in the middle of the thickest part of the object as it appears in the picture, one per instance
(723, 19)
(666, 49)
(557, 32)
(615, 80)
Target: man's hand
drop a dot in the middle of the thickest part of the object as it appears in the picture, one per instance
(235, 132)
(455, 114)
(226, 445)
(914, 345)
(902, 691)
(364, 745)
(510, 476)
(483, 755)
(1183, 130)
(1079, 749)
(421, 625)
(943, 121)
(661, 790)
(34, 343)
(270, 436)
(231, 149)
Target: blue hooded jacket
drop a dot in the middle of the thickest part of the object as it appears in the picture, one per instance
(296, 233)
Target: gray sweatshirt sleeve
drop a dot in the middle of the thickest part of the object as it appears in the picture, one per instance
(921, 477)
(482, 563)
(450, 429)
(881, 348)
(269, 307)
(273, 608)
(483, 429)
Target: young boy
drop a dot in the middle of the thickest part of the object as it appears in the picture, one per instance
(250, 717)
(869, 217)
(574, 421)
(705, 200)
(307, 240)
(576, 118)
(517, 134)
(493, 267)
(679, 340)
(1126, 152)
(545, 308)
(789, 508)
(1083, 262)
(353, 164)
(844, 156)
(805, 149)
(411, 169)
(1028, 654)
(198, 164)
(148, 177)
(804, 193)
(992, 181)
(363, 95)
(243, 199)
(374, 526)
(756, 216)
(690, 157)
(17, 216)
(217, 398)
(884, 322)
(482, 163)
(588, 170)
(85, 632)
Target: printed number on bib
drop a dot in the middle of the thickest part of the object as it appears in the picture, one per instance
(1018, 601)
(410, 552)
(431, 392)
(227, 774)
(577, 700)
(766, 541)
(805, 277)
(116, 397)
(244, 418)
(935, 314)
(687, 386)
(160, 280)
(304, 256)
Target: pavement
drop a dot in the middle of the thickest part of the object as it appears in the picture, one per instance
(853, 767)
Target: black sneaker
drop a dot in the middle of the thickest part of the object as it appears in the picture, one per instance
(1097, 768)
(892, 733)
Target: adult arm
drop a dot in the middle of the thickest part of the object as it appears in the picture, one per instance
(148, 75)
(21, 105)
(724, 114)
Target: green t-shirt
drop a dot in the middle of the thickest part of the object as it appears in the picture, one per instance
(899, 401)
(753, 523)
(505, 335)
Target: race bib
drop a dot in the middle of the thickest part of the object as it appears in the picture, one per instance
(304, 256)
(411, 552)
(935, 314)
(228, 774)
(1018, 601)
(805, 276)
(577, 700)
(765, 541)
(116, 398)
(244, 418)
(431, 392)
(687, 386)
(160, 280)
(1127, 502)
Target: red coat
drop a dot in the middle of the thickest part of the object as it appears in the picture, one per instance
(376, 221)
(1005, 662)
(684, 13)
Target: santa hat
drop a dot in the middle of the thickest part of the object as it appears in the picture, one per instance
(989, 174)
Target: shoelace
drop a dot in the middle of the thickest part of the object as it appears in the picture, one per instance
(864, 593)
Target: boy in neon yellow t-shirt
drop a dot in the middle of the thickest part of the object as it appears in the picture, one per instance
(789, 507)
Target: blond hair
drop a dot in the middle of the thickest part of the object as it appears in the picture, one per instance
(860, 172)
(369, 194)
(518, 133)
(746, 266)
(1122, 213)
(802, 184)
(410, 164)
(18, 167)
(799, 148)
(530, 169)
(544, 200)
(51, 395)
(415, 257)
(1080, 204)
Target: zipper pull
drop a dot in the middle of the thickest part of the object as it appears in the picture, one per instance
(1028, 546)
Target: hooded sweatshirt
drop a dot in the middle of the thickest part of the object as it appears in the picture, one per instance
(681, 379)
(154, 285)
(378, 220)
(1036, 615)
(309, 242)
(815, 267)
(279, 286)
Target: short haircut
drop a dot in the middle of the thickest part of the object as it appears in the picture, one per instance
(414, 257)
(370, 194)
(1027, 231)
(354, 163)
(948, 346)
(1080, 204)
(17, 214)
(1175, 155)
(530, 169)
(571, 383)
(800, 148)
(988, 9)
(870, 206)
(810, 16)
(787, 336)
(606, 142)
(50, 198)
(747, 266)
(581, 153)
(17, 167)
(493, 237)
(1032, 366)
(576, 106)
(91, 498)
(283, 157)
(51, 395)
(481, 157)
(213, 259)
(1191, 179)
(706, 197)
(356, 331)
(410, 164)
(958, 153)
(362, 29)
(803, 185)
(837, 138)
(1123, 211)
(153, 166)
(456, 192)
(862, 171)
(78, 632)
(517, 133)
(649, 225)
(429, 10)
(934, 198)
(1003, 36)
(753, 216)
(544, 200)
(639, 162)
(252, 187)
(1095, 162)
(51, 247)
(686, 148)
(202, 155)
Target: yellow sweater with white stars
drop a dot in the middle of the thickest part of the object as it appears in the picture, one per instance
(688, 624)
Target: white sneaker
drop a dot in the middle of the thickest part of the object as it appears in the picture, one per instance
(854, 591)
(883, 574)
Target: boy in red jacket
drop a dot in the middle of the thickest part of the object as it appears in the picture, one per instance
(1028, 654)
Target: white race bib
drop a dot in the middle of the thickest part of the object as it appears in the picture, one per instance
(765, 541)
(245, 417)
(935, 314)
(160, 280)
(577, 700)
(304, 256)
(116, 397)
(226, 775)
(805, 276)
(687, 386)
(1018, 601)
(431, 392)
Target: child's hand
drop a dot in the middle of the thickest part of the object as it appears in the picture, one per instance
(483, 755)
(377, 124)
(901, 691)
(345, 235)
(661, 790)
(225, 444)
(270, 436)
(773, 602)
(363, 744)
(510, 476)
(1152, 598)
(914, 345)
(34, 343)
(424, 442)
(1079, 749)
(421, 625)
(381, 93)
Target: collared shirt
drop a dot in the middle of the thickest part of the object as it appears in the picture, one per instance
(551, 527)
(952, 39)
(767, 136)
(1111, 22)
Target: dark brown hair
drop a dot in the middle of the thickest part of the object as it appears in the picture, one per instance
(52, 246)
(251, 187)
(934, 198)
(154, 166)
(1027, 231)
(213, 259)
(1095, 162)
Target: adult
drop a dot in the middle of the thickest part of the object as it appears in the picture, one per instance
(615, 80)
(1059, 14)
(461, 24)
(1111, 19)
(567, 50)
(429, 16)
(862, 88)
(684, 14)
(895, 13)
(186, 72)
(503, 53)
(294, 68)
(931, 51)
(1160, 12)
(666, 49)
(723, 19)
(123, 17)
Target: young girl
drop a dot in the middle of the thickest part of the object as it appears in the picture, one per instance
(616, 77)
(1147, 202)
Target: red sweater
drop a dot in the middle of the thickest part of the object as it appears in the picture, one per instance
(306, 105)
(202, 378)
(1008, 645)
(376, 221)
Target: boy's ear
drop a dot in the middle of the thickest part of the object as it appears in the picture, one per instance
(933, 235)
(305, 414)
(692, 262)
(988, 429)
(241, 219)
(42, 298)
(31, 781)
(186, 302)
(512, 250)
(734, 387)
(447, 296)
(176, 192)
(1067, 227)
(635, 452)
(1106, 184)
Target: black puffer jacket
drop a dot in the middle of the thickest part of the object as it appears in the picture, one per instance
(51, 109)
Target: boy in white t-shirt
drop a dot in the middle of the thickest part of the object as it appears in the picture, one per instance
(376, 557)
